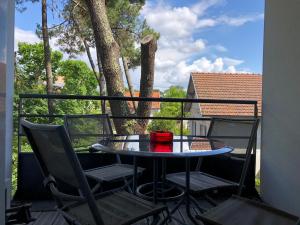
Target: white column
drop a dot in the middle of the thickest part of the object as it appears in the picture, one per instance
(7, 8)
(280, 155)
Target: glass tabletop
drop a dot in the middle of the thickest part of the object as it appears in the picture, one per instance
(140, 145)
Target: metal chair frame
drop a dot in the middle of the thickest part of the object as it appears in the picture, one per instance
(247, 159)
(85, 194)
(106, 129)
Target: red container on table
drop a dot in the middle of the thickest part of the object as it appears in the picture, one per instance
(161, 147)
(161, 141)
(161, 137)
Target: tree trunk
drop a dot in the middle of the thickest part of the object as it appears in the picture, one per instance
(108, 50)
(47, 56)
(99, 77)
(128, 78)
(148, 49)
(102, 79)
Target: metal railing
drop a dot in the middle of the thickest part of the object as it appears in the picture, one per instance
(104, 99)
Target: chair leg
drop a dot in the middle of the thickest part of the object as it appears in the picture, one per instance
(156, 219)
(167, 218)
(210, 200)
(199, 218)
(193, 200)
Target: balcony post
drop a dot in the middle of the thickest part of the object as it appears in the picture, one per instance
(7, 8)
(280, 154)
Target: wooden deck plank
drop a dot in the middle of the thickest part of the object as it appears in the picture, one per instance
(46, 217)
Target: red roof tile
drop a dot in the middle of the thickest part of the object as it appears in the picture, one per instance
(155, 94)
(228, 86)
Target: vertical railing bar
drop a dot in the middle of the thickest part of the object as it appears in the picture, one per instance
(255, 138)
(181, 120)
(104, 106)
(19, 113)
(181, 126)
(19, 141)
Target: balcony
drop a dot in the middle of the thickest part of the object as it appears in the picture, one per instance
(29, 178)
(280, 119)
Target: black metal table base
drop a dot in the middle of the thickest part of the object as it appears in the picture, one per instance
(164, 191)
(186, 196)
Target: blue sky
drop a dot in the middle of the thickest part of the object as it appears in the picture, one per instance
(196, 35)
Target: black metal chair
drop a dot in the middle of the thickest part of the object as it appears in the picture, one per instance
(85, 130)
(58, 162)
(237, 133)
(237, 211)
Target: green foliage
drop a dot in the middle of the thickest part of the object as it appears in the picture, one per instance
(146, 30)
(30, 69)
(78, 77)
(169, 109)
(30, 78)
(128, 28)
(80, 80)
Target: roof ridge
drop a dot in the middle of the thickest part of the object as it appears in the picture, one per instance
(224, 73)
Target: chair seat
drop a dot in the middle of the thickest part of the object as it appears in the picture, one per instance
(119, 208)
(200, 181)
(111, 172)
(237, 211)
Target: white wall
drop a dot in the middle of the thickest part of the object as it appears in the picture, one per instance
(6, 96)
(280, 160)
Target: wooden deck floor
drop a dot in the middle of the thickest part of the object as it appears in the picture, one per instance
(45, 214)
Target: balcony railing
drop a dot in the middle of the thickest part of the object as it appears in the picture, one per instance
(105, 99)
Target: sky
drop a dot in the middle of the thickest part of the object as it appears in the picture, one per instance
(195, 36)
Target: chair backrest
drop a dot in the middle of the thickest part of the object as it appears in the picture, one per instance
(53, 150)
(233, 132)
(239, 134)
(85, 130)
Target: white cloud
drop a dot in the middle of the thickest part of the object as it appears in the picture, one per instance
(239, 21)
(177, 44)
(25, 36)
(200, 7)
(168, 73)
(220, 48)
(29, 36)
(232, 62)
(178, 22)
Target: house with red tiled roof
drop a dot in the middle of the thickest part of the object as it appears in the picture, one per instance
(155, 105)
(222, 86)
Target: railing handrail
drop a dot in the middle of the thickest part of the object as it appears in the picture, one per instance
(95, 97)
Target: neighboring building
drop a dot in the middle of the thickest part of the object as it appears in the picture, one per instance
(59, 82)
(155, 105)
(222, 86)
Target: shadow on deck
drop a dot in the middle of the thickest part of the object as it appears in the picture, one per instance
(44, 213)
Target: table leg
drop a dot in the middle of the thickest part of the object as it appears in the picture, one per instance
(163, 176)
(187, 191)
(155, 180)
(163, 169)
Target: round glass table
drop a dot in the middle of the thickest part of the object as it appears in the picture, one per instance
(185, 147)
(182, 146)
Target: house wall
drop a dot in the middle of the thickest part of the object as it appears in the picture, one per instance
(197, 127)
(6, 97)
(280, 163)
